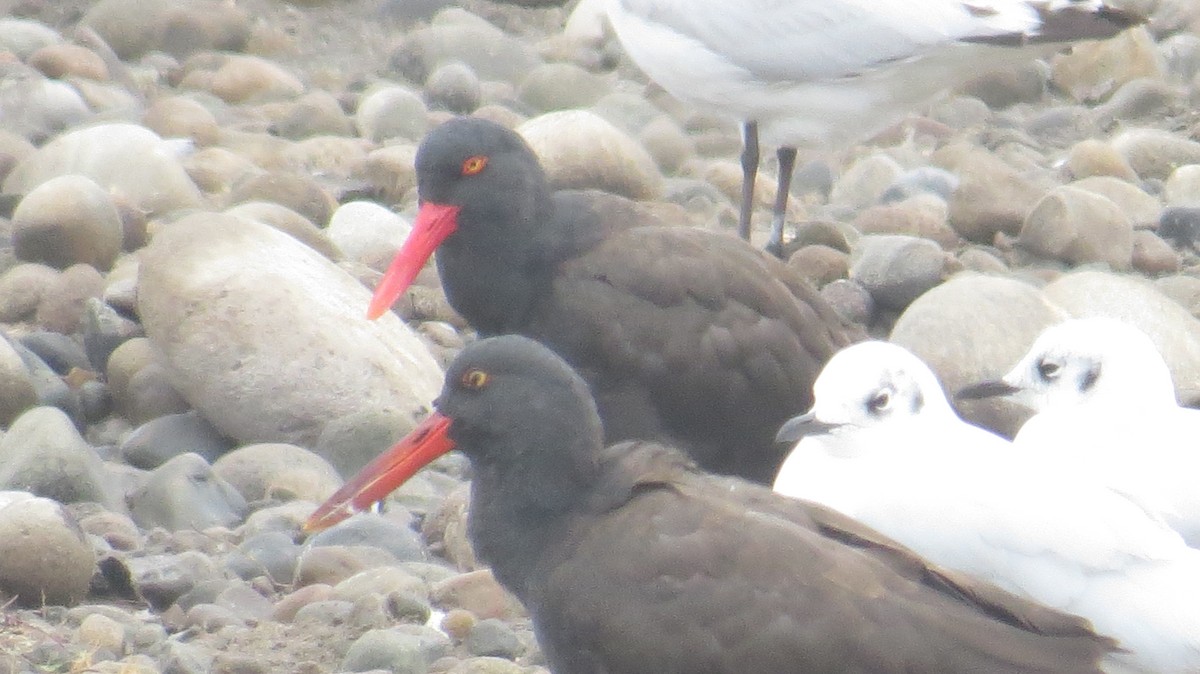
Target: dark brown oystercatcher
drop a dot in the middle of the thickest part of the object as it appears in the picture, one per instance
(632, 561)
(684, 335)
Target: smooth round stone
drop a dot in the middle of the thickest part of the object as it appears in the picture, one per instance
(350, 442)
(923, 180)
(370, 529)
(390, 172)
(43, 453)
(116, 529)
(392, 650)
(923, 215)
(166, 437)
(561, 86)
(850, 300)
(670, 147)
(1153, 153)
(368, 233)
(186, 29)
(490, 52)
(162, 579)
(52, 389)
(1005, 88)
(68, 60)
(67, 220)
(1078, 227)
(980, 260)
(64, 302)
(268, 339)
(182, 117)
(1153, 256)
(1092, 69)
(316, 113)
(383, 580)
(493, 638)
(973, 328)
(455, 87)
(38, 108)
(21, 290)
(287, 608)
(897, 269)
(17, 391)
(1181, 53)
(1142, 209)
(24, 37)
(185, 493)
(391, 111)
(445, 529)
(1142, 98)
(139, 383)
(1180, 224)
(1183, 186)
(1093, 157)
(271, 553)
(123, 159)
(61, 353)
(300, 193)
(580, 150)
(331, 564)
(99, 631)
(45, 559)
(477, 592)
(278, 471)
(820, 264)
(289, 222)
(129, 27)
(484, 665)
(1174, 331)
(864, 183)
(992, 197)
(244, 78)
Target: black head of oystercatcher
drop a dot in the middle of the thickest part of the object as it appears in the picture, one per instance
(630, 560)
(683, 334)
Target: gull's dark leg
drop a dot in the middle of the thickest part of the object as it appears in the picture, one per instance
(749, 173)
(787, 164)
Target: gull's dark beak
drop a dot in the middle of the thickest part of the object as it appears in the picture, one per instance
(800, 426)
(986, 389)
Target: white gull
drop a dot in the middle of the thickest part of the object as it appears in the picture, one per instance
(1105, 404)
(825, 73)
(886, 448)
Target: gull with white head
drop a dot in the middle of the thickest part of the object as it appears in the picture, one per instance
(825, 73)
(883, 445)
(1105, 406)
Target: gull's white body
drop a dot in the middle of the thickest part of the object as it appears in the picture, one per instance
(1126, 429)
(959, 496)
(825, 73)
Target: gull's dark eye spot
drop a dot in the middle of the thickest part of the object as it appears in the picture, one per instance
(1048, 370)
(880, 402)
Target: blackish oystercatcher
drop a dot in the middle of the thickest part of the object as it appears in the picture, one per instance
(1105, 404)
(684, 335)
(630, 560)
(826, 73)
(894, 456)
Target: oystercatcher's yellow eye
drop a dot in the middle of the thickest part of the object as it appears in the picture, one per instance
(474, 380)
(473, 165)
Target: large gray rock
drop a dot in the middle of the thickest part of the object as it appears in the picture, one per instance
(268, 339)
(185, 493)
(974, 328)
(45, 558)
(1173, 329)
(124, 159)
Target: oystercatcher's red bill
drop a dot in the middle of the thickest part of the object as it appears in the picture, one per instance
(434, 223)
(388, 471)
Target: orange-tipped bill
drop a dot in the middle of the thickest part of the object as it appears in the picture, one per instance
(388, 471)
(434, 223)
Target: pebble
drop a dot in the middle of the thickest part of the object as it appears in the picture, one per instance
(992, 196)
(1180, 225)
(454, 87)
(1141, 208)
(185, 493)
(1153, 153)
(276, 382)
(1153, 256)
(369, 529)
(1182, 187)
(1093, 70)
(1078, 227)
(277, 471)
(395, 650)
(1093, 157)
(43, 453)
(561, 86)
(897, 269)
(368, 233)
(493, 638)
(44, 556)
(389, 112)
(581, 150)
(820, 264)
(170, 435)
(67, 220)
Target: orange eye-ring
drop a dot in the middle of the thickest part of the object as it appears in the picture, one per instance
(473, 165)
(475, 380)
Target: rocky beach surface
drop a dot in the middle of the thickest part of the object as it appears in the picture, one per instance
(197, 196)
